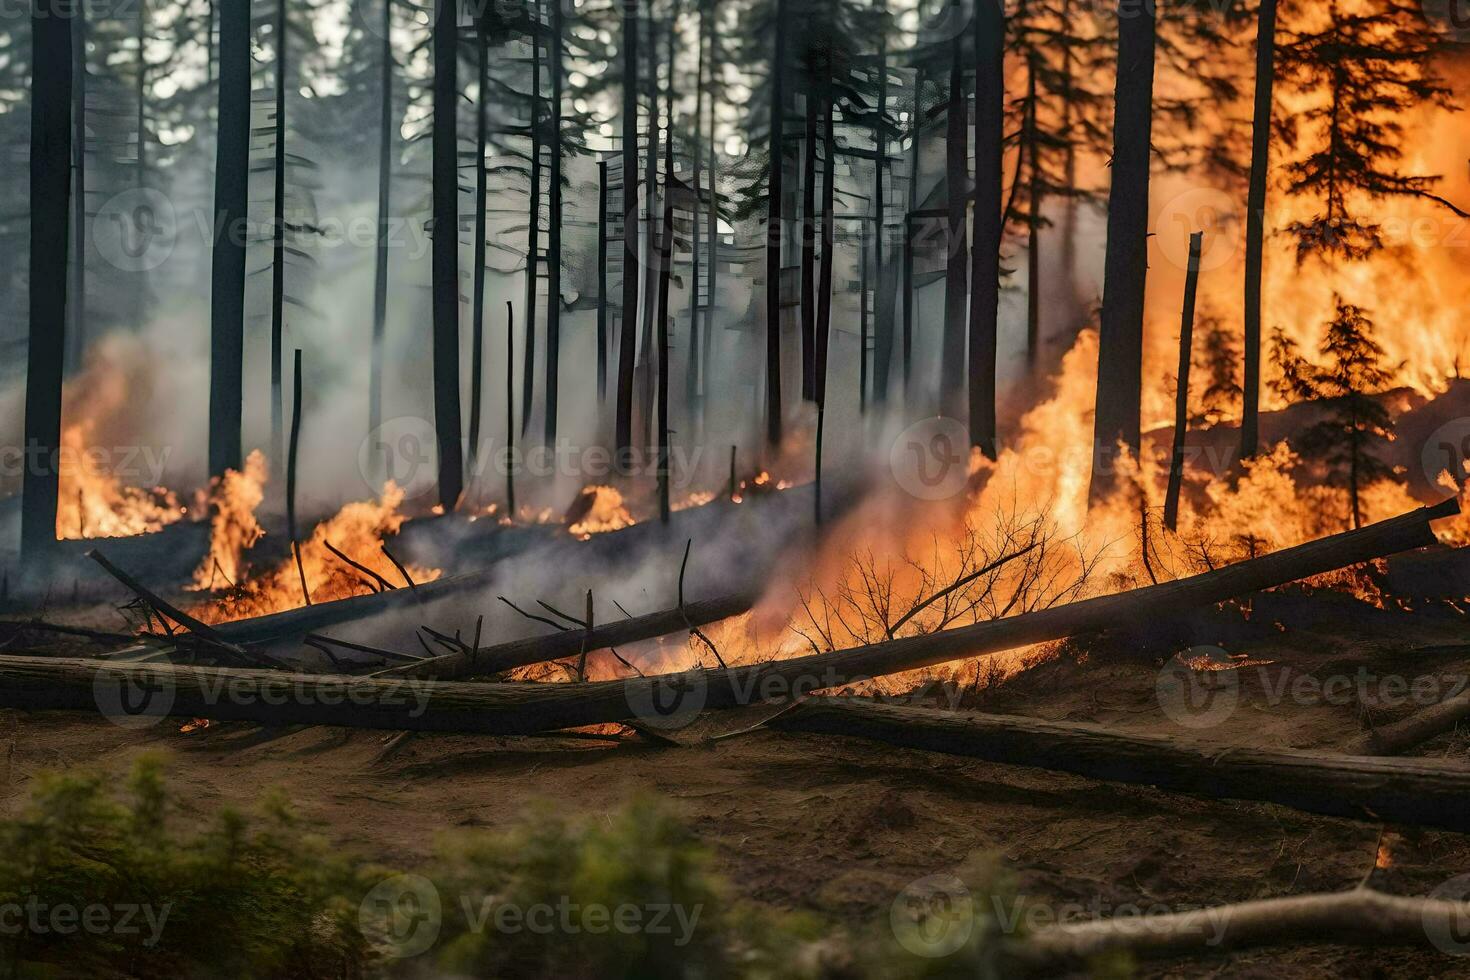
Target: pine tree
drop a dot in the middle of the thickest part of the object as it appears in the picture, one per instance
(1345, 441)
(1362, 68)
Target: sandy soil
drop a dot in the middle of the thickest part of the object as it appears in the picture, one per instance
(839, 827)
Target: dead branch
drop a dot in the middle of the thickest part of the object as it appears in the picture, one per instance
(164, 608)
(402, 568)
(383, 585)
(1408, 732)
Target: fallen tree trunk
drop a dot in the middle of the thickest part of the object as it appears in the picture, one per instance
(1361, 917)
(668, 700)
(1418, 727)
(572, 642)
(1408, 791)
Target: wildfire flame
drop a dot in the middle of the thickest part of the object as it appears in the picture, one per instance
(233, 528)
(92, 503)
(598, 509)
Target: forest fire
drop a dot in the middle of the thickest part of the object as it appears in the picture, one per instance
(93, 503)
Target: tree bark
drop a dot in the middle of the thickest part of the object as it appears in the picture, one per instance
(1408, 732)
(809, 251)
(477, 295)
(882, 311)
(1125, 269)
(987, 221)
(542, 649)
(665, 275)
(278, 235)
(231, 215)
(76, 340)
(628, 315)
(829, 242)
(693, 380)
(1255, 225)
(553, 242)
(50, 173)
(533, 224)
(380, 258)
(1181, 397)
(956, 177)
(773, 232)
(445, 274)
(521, 708)
(1416, 792)
(601, 280)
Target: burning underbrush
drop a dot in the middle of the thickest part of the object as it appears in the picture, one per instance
(344, 556)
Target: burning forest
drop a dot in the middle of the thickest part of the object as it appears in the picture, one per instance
(735, 488)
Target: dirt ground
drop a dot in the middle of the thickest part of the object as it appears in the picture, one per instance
(839, 827)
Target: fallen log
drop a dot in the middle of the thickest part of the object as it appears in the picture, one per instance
(1408, 791)
(1408, 732)
(571, 642)
(668, 700)
(1361, 917)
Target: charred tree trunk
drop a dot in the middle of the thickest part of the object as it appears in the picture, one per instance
(645, 369)
(1181, 400)
(278, 235)
(37, 684)
(774, 191)
(665, 275)
(51, 149)
(908, 231)
(445, 274)
(809, 251)
(601, 281)
(956, 177)
(477, 297)
(1414, 792)
(824, 286)
(533, 224)
(693, 380)
(987, 221)
(882, 312)
(1031, 141)
(628, 315)
(1255, 225)
(510, 410)
(712, 226)
(1120, 336)
(553, 242)
(76, 338)
(231, 216)
(380, 258)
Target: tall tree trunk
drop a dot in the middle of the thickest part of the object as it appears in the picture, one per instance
(139, 292)
(1031, 142)
(956, 176)
(76, 339)
(665, 274)
(628, 315)
(51, 147)
(824, 286)
(1125, 270)
(533, 223)
(1255, 226)
(601, 281)
(553, 242)
(692, 378)
(883, 317)
(510, 410)
(986, 224)
(380, 259)
(1067, 233)
(773, 232)
(1181, 395)
(278, 236)
(231, 214)
(477, 301)
(445, 277)
(863, 310)
(645, 369)
(713, 219)
(809, 249)
(916, 128)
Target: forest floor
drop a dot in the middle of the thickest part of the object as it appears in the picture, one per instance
(838, 827)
